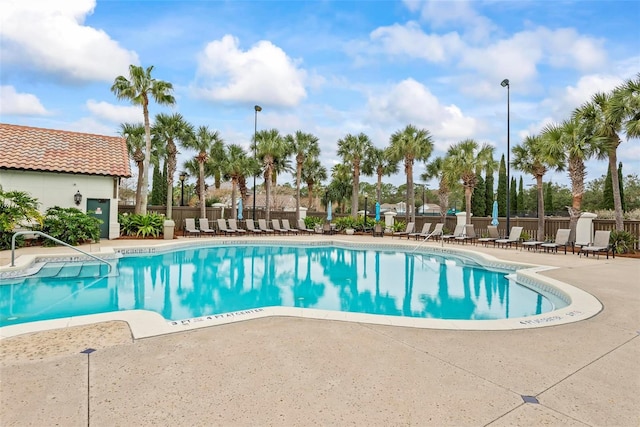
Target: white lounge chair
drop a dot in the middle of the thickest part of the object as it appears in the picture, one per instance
(561, 241)
(222, 227)
(514, 238)
(457, 232)
(287, 227)
(468, 236)
(204, 227)
(275, 224)
(493, 235)
(424, 232)
(409, 229)
(600, 244)
(262, 224)
(251, 227)
(233, 225)
(190, 228)
(303, 227)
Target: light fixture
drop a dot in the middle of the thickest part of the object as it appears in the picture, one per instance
(77, 198)
(182, 177)
(256, 108)
(505, 83)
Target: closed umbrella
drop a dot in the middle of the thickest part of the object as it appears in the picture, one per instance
(377, 211)
(494, 214)
(240, 208)
(329, 211)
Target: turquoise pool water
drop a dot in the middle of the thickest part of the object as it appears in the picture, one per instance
(187, 283)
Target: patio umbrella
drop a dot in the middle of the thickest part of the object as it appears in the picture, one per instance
(329, 211)
(494, 214)
(240, 208)
(377, 211)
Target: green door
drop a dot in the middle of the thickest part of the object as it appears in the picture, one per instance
(99, 208)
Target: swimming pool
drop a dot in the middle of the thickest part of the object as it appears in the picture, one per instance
(207, 281)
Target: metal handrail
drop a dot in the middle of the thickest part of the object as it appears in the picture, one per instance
(60, 242)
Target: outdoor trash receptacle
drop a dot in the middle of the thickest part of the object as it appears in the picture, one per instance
(168, 228)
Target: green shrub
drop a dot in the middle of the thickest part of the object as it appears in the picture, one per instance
(70, 225)
(151, 224)
(623, 242)
(312, 221)
(345, 222)
(399, 226)
(17, 209)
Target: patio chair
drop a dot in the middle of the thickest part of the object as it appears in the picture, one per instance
(457, 232)
(275, 224)
(468, 236)
(377, 230)
(303, 227)
(437, 232)
(204, 227)
(410, 227)
(251, 227)
(327, 229)
(600, 244)
(493, 235)
(190, 228)
(233, 225)
(222, 227)
(424, 232)
(262, 224)
(561, 241)
(514, 238)
(287, 227)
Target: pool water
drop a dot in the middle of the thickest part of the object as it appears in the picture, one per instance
(183, 284)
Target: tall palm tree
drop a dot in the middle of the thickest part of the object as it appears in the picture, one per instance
(596, 120)
(340, 186)
(238, 163)
(408, 145)
(353, 149)
(625, 106)
(270, 147)
(138, 88)
(378, 162)
(167, 130)
(531, 157)
(134, 135)
(202, 141)
(566, 143)
(216, 162)
(303, 145)
(436, 169)
(312, 172)
(465, 160)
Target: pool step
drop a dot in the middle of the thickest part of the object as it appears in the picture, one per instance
(64, 270)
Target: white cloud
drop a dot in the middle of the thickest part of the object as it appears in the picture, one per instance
(115, 113)
(50, 36)
(410, 40)
(23, 104)
(411, 102)
(91, 125)
(264, 72)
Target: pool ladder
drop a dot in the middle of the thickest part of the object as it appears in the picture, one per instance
(60, 242)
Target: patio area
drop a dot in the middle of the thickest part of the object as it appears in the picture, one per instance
(296, 371)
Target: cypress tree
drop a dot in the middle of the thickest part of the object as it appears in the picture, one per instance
(156, 187)
(478, 198)
(520, 196)
(502, 188)
(488, 194)
(164, 186)
(607, 193)
(513, 196)
(624, 205)
(548, 197)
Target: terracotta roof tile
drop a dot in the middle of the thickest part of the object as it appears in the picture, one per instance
(29, 148)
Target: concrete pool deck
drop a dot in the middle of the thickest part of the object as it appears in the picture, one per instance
(295, 371)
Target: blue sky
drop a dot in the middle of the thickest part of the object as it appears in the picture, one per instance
(325, 67)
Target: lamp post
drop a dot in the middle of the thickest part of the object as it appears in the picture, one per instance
(423, 200)
(505, 83)
(365, 211)
(182, 177)
(256, 108)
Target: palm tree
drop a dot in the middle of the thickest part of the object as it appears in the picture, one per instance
(436, 169)
(569, 145)
(625, 106)
(137, 89)
(603, 127)
(168, 129)
(312, 173)
(202, 141)
(216, 163)
(410, 144)
(532, 157)
(269, 147)
(340, 186)
(378, 162)
(303, 145)
(236, 168)
(134, 135)
(353, 149)
(465, 160)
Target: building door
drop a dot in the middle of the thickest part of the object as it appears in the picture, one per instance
(99, 208)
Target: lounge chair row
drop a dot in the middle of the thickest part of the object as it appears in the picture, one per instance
(230, 227)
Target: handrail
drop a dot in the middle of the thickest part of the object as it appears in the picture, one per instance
(60, 242)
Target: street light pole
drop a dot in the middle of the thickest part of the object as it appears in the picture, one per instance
(505, 83)
(256, 108)
(183, 176)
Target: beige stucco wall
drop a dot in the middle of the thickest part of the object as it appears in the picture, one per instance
(58, 189)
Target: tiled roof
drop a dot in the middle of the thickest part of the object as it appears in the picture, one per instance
(49, 150)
